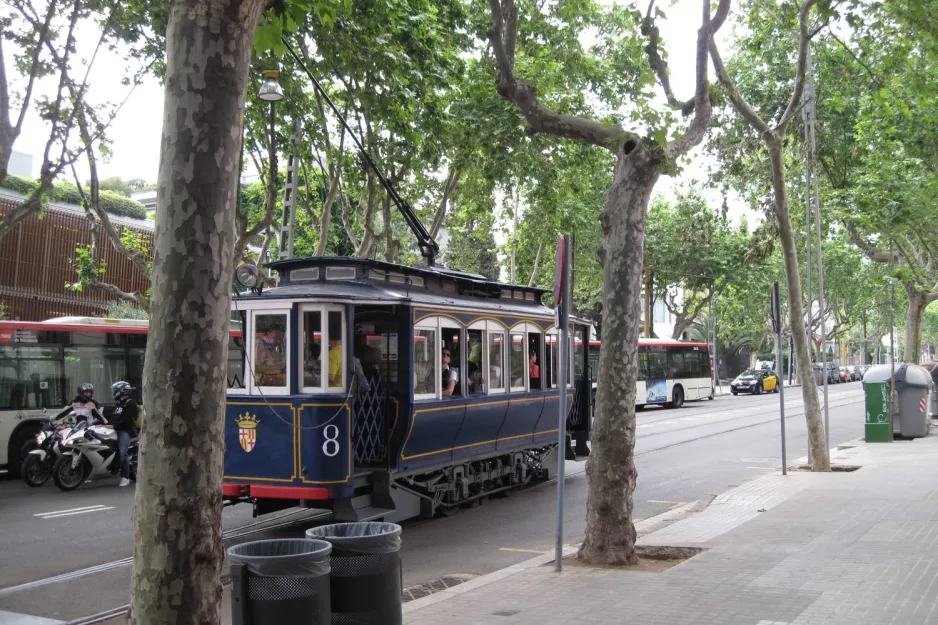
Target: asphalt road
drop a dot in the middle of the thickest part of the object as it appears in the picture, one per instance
(682, 456)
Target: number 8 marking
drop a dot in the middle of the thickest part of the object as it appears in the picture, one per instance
(331, 446)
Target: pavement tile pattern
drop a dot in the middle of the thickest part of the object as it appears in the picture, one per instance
(856, 548)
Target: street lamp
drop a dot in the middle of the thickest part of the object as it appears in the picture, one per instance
(271, 91)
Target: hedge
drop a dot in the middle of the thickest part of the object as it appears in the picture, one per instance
(66, 192)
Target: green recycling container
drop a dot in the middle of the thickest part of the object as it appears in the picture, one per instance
(877, 392)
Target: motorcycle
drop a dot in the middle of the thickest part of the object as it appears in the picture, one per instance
(39, 462)
(90, 453)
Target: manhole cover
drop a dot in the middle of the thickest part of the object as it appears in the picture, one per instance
(434, 586)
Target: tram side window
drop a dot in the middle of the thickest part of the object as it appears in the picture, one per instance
(518, 360)
(270, 351)
(31, 377)
(552, 349)
(425, 375)
(496, 361)
(474, 377)
(451, 365)
(535, 363)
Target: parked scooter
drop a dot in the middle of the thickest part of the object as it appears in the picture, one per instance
(90, 453)
(39, 462)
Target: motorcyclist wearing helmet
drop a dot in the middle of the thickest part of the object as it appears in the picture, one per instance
(124, 421)
(84, 405)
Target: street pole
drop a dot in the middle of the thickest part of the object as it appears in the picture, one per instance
(562, 301)
(811, 108)
(777, 323)
(713, 328)
(805, 116)
(893, 408)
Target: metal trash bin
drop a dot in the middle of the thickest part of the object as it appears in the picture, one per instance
(366, 572)
(913, 384)
(275, 582)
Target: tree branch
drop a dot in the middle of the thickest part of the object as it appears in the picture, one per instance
(538, 118)
(701, 103)
(732, 92)
(870, 249)
(659, 66)
(452, 181)
(804, 40)
(9, 131)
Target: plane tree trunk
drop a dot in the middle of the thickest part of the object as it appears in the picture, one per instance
(178, 552)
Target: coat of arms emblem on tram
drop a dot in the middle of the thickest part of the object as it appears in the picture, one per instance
(247, 431)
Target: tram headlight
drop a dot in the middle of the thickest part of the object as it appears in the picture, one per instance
(247, 275)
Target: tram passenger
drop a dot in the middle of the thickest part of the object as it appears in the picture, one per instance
(534, 371)
(335, 351)
(450, 375)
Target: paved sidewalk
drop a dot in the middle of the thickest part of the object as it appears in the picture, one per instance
(804, 549)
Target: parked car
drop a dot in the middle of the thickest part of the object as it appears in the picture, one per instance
(755, 381)
(857, 373)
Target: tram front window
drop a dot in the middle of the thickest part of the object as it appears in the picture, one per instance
(270, 353)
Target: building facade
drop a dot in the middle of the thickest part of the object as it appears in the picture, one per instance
(36, 263)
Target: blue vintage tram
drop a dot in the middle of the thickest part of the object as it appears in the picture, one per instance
(339, 385)
(378, 390)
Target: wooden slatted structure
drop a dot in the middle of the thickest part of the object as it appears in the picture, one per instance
(36, 263)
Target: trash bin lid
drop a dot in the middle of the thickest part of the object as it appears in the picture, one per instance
(365, 537)
(913, 375)
(302, 557)
(879, 373)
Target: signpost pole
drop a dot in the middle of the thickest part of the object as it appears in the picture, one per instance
(562, 303)
(777, 326)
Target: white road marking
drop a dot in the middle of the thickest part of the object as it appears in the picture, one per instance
(73, 511)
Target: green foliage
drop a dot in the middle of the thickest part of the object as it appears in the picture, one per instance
(88, 269)
(121, 187)
(66, 192)
(19, 184)
(119, 309)
(930, 325)
(692, 249)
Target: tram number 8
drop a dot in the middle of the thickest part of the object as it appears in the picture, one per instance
(331, 445)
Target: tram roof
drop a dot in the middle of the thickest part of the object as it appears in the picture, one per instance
(370, 279)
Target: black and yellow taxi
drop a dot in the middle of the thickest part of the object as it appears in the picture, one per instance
(755, 381)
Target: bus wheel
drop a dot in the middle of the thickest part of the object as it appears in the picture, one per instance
(677, 397)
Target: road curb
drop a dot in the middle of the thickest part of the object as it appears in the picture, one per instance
(643, 527)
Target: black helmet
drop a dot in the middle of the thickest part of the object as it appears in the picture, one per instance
(86, 390)
(119, 389)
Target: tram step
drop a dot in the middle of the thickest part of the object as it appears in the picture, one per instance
(364, 514)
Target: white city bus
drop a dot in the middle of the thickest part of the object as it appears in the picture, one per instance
(670, 372)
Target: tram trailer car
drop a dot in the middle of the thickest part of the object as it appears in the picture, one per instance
(339, 400)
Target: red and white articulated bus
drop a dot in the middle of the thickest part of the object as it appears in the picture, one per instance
(42, 364)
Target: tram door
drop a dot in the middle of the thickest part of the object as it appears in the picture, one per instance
(376, 348)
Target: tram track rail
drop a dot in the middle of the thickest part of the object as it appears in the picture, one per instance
(298, 517)
(288, 519)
